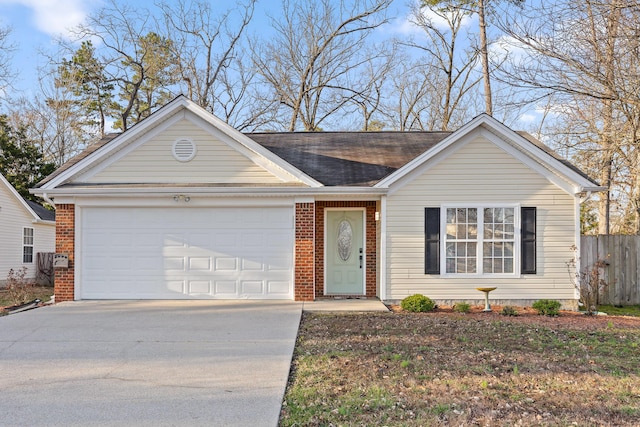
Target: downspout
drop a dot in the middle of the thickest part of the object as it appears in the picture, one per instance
(383, 248)
(48, 200)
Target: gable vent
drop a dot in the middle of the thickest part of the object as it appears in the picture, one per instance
(184, 150)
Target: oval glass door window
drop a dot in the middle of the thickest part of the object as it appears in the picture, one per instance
(345, 240)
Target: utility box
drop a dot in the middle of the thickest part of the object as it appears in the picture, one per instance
(60, 261)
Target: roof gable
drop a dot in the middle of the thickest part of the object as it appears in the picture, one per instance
(559, 172)
(33, 209)
(100, 162)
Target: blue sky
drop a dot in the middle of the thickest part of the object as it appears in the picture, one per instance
(36, 24)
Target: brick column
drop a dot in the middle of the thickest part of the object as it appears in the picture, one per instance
(304, 256)
(65, 244)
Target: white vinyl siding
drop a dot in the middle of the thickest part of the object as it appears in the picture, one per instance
(215, 162)
(14, 217)
(479, 174)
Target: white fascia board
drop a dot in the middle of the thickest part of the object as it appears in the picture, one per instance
(20, 199)
(139, 192)
(537, 154)
(506, 139)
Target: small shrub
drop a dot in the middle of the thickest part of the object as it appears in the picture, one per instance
(461, 307)
(547, 307)
(19, 289)
(417, 303)
(509, 311)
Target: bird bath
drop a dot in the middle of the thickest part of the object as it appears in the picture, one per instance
(486, 291)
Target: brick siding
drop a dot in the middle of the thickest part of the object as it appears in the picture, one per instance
(304, 248)
(65, 244)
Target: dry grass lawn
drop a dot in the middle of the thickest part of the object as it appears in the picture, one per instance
(443, 368)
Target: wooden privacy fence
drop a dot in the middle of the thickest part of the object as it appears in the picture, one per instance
(623, 270)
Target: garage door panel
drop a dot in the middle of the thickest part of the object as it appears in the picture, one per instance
(187, 253)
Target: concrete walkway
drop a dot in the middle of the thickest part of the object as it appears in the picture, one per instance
(147, 363)
(346, 304)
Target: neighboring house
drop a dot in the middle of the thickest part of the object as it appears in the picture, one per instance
(184, 206)
(26, 228)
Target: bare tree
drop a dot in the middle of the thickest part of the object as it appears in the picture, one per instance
(586, 54)
(450, 67)
(7, 74)
(208, 46)
(315, 47)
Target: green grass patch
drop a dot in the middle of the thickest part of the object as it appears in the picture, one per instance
(629, 310)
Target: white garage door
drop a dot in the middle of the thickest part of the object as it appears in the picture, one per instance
(206, 253)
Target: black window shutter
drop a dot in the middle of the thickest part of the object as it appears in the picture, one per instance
(528, 240)
(432, 240)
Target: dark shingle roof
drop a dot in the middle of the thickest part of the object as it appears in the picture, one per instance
(348, 158)
(44, 213)
(338, 158)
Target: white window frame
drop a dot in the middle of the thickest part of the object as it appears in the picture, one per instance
(25, 244)
(517, 253)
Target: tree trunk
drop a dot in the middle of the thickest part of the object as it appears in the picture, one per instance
(484, 54)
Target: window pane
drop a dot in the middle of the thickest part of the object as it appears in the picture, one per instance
(488, 215)
(451, 249)
(451, 231)
(487, 250)
(488, 231)
(461, 265)
(497, 250)
(471, 265)
(509, 217)
(498, 215)
(451, 216)
(471, 249)
(451, 265)
(28, 236)
(473, 216)
(487, 266)
(509, 232)
(462, 215)
(461, 250)
(508, 250)
(508, 265)
(497, 265)
(498, 231)
(473, 232)
(27, 254)
(462, 232)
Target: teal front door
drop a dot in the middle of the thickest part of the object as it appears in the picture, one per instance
(344, 252)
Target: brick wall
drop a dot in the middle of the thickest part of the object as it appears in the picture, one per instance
(371, 243)
(65, 244)
(304, 256)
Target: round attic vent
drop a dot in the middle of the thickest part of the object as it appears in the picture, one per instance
(184, 150)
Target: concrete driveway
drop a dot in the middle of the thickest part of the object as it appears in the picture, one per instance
(147, 363)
